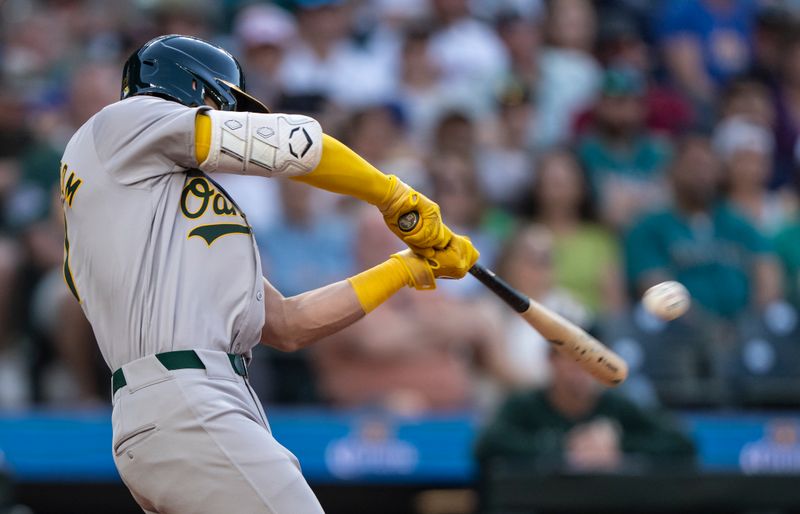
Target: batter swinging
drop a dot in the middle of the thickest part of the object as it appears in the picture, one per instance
(166, 269)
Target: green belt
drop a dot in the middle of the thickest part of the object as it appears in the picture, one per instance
(180, 359)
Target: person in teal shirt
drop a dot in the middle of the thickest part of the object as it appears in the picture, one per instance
(724, 262)
(624, 161)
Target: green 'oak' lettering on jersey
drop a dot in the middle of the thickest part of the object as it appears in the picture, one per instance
(201, 194)
(198, 195)
(211, 233)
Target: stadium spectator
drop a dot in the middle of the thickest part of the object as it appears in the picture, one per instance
(263, 33)
(307, 248)
(420, 91)
(384, 361)
(705, 43)
(623, 160)
(746, 152)
(325, 61)
(570, 76)
(722, 259)
(621, 44)
(522, 39)
(574, 423)
(506, 163)
(468, 52)
(529, 264)
(586, 253)
(454, 132)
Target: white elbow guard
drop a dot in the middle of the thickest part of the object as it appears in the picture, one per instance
(270, 144)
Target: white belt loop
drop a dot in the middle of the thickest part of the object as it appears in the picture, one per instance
(218, 364)
(143, 372)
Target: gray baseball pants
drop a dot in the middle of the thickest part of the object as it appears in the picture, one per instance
(197, 441)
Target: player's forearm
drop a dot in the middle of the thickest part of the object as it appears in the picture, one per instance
(341, 170)
(296, 322)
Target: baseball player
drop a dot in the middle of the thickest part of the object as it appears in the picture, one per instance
(166, 269)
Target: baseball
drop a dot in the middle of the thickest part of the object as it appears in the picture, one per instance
(667, 300)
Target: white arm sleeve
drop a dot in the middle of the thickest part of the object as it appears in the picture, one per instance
(270, 145)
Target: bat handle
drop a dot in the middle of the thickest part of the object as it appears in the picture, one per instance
(516, 300)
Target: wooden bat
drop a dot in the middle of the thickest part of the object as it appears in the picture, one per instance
(569, 339)
(566, 337)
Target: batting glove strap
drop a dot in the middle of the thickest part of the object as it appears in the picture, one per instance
(429, 233)
(455, 260)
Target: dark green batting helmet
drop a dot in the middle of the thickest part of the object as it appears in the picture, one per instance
(186, 70)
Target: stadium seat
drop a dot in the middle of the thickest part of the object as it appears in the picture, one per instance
(766, 372)
(675, 357)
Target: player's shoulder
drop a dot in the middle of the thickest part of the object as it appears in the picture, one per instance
(123, 121)
(138, 106)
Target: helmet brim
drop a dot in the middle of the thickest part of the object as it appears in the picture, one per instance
(244, 101)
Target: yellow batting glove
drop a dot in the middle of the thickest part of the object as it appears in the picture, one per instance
(429, 233)
(375, 285)
(455, 260)
(420, 274)
(452, 262)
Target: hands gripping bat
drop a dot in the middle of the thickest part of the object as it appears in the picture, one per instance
(567, 338)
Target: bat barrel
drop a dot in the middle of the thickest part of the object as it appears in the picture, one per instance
(602, 363)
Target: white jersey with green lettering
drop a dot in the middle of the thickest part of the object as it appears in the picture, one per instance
(160, 257)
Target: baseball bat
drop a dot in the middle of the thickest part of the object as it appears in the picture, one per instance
(566, 337)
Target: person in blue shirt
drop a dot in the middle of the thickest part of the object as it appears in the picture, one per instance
(705, 43)
(312, 248)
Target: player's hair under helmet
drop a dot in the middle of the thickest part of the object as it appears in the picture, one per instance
(186, 70)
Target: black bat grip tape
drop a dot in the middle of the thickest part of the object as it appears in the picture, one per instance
(518, 301)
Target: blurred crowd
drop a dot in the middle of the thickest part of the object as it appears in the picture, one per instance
(589, 149)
